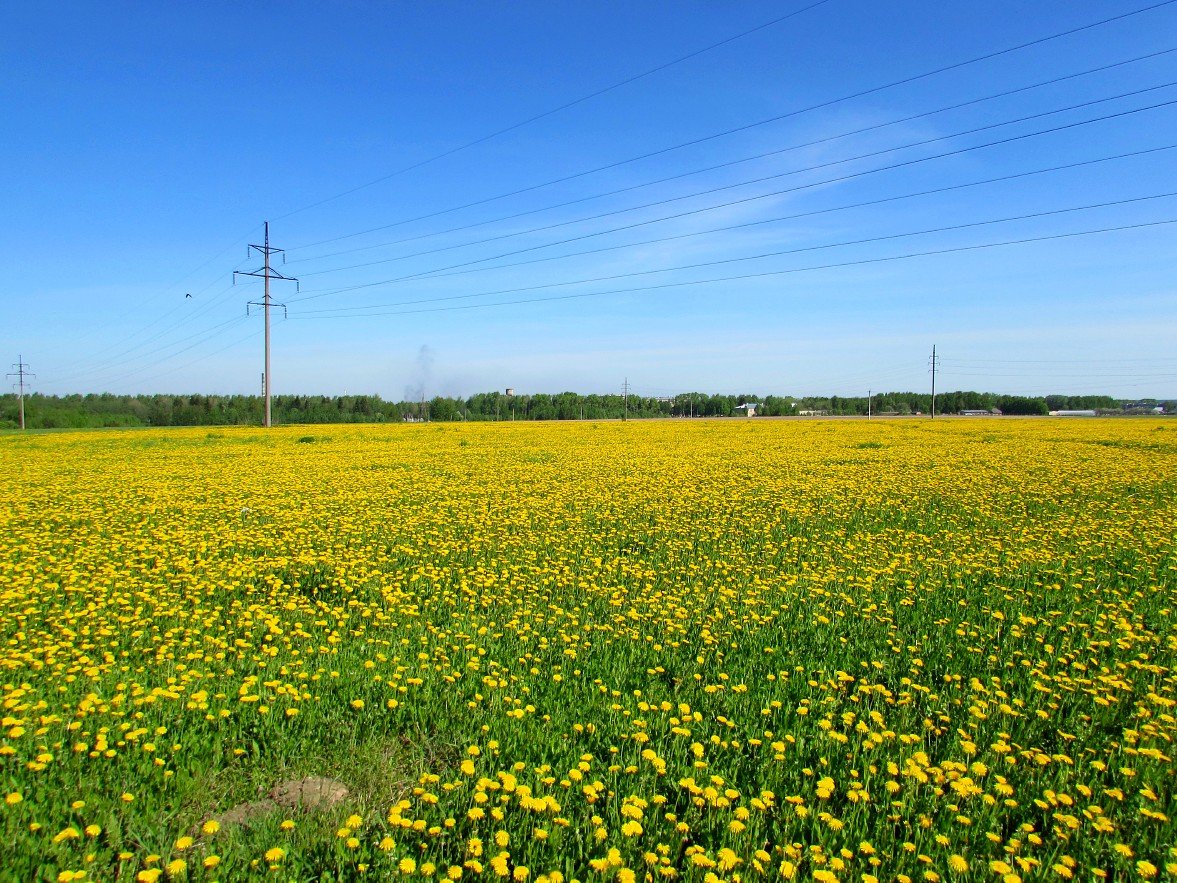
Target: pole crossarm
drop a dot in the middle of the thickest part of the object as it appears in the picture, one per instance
(262, 305)
(261, 274)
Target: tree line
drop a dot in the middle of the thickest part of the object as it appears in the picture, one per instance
(108, 410)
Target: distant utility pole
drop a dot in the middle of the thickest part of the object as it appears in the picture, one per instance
(267, 273)
(868, 392)
(21, 372)
(934, 360)
(625, 400)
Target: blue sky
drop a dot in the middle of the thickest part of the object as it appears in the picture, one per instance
(144, 145)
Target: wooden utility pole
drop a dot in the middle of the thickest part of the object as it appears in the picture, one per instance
(21, 372)
(266, 273)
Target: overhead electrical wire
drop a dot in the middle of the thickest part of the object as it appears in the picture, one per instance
(566, 105)
(547, 113)
(776, 152)
(854, 175)
(777, 219)
(774, 220)
(883, 373)
(1100, 375)
(796, 112)
(982, 362)
(762, 256)
(254, 333)
(204, 333)
(171, 287)
(117, 361)
(760, 275)
(866, 92)
(88, 370)
(791, 172)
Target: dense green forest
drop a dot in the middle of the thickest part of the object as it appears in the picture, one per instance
(106, 410)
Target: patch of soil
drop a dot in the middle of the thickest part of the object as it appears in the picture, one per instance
(244, 813)
(311, 794)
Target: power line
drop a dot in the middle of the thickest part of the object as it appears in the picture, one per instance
(93, 364)
(1086, 374)
(199, 337)
(115, 360)
(973, 363)
(778, 253)
(251, 335)
(761, 275)
(157, 372)
(778, 219)
(723, 165)
(56, 381)
(555, 110)
(811, 185)
(741, 201)
(812, 107)
(1024, 45)
(179, 306)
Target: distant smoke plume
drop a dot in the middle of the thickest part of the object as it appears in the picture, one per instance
(422, 375)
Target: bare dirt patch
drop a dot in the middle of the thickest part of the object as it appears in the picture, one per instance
(309, 794)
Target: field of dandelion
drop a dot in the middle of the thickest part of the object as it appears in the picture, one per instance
(699, 651)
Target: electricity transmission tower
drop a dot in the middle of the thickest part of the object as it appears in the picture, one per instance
(267, 273)
(625, 400)
(21, 372)
(933, 362)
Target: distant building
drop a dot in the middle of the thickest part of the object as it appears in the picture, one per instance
(747, 410)
(976, 412)
(1072, 413)
(1144, 406)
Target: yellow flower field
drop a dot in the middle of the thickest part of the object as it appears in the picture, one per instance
(707, 650)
